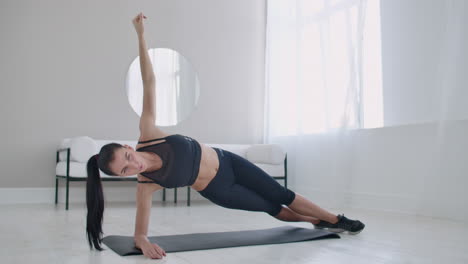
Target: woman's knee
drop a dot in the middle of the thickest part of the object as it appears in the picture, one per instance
(286, 197)
(291, 196)
(276, 211)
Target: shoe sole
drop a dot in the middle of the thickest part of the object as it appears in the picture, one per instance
(334, 230)
(355, 233)
(339, 230)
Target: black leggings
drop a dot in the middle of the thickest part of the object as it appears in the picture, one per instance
(240, 184)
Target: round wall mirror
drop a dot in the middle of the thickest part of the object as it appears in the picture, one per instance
(177, 86)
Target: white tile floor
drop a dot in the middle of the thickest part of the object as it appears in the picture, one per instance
(48, 234)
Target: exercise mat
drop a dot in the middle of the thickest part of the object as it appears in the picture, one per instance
(125, 246)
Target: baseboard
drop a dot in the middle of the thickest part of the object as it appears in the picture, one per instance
(78, 195)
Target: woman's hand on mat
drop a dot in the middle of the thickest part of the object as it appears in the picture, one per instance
(152, 250)
(138, 24)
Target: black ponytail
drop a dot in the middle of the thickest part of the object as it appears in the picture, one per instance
(95, 194)
(95, 204)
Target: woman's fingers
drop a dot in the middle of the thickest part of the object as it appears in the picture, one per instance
(155, 254)
(159, 250)
(151, 252)
(154, 251)
(139, 17)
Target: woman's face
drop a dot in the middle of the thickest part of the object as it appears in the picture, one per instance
(127, 162)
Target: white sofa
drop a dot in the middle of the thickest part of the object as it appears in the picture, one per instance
(73, 154)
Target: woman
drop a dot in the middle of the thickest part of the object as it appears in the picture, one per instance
(162, 160)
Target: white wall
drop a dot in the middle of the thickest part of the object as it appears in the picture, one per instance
(63, 67)
(416, 169)
(412, 52)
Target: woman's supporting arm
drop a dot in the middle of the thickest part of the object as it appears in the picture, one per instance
(143, 202)
(144, 195)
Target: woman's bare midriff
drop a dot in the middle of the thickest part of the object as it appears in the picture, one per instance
(209, 165)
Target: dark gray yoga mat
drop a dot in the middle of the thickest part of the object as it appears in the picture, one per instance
(124, 245)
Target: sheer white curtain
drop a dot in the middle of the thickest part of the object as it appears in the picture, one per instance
(314, 83)
(314, 66)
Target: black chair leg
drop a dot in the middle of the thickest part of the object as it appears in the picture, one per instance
(175, 195)
(164, 194)
(188, 195)
(56, 190)
(286, 171)
(68, 186)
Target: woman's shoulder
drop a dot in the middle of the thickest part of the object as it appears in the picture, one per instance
(156, 133)
(153, 133)
(147, 184)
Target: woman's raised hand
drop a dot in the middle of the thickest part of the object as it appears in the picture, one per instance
(138, 23)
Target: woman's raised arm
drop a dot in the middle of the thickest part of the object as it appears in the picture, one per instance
(145, 63)
(148, 115)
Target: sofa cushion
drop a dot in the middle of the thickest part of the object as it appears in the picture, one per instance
(81, 148)
(265, 153)
(274, 170)
(239, 149)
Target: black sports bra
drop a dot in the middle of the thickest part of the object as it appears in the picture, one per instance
(180, 156)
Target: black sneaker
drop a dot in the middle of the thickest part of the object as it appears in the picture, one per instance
(344, 224)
